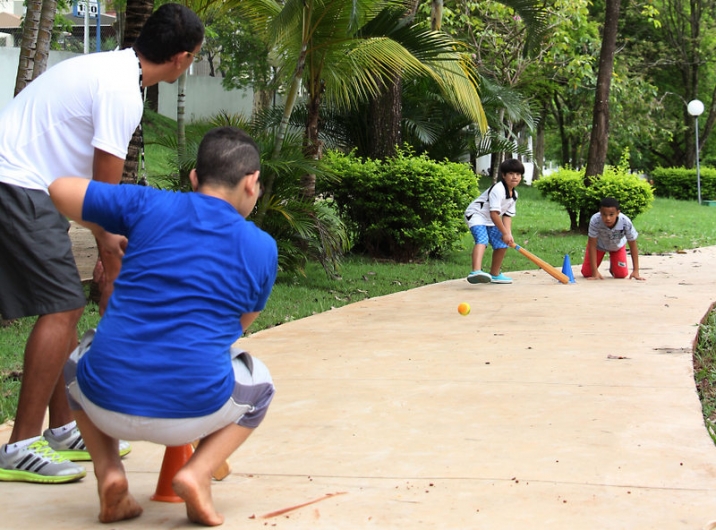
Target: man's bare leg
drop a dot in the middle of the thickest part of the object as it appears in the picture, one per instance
(115, 501)
(48, 347)
(193, 481)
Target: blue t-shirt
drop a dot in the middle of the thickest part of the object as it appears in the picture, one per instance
(192, 267)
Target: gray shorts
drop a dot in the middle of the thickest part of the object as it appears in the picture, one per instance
(38, 275)
(247, 406)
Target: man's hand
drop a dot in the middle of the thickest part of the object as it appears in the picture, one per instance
(635, 275)
(596, 276)
(111, 251)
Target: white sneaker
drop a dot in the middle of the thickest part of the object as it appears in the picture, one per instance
(38, 463)
(71, 446)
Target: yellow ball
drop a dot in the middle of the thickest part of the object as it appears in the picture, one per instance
(463, 309)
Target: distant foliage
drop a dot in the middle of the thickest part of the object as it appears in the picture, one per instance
(404, 208)
(566, 187)
(681, 183)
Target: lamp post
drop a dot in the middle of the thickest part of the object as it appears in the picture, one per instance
(696, 108)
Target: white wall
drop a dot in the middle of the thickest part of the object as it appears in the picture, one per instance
(16, 7)
(205, 96)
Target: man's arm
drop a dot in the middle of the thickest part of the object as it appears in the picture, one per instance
(108, 168)
(634, 251)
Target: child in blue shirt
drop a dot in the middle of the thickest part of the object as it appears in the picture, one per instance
(162, 366)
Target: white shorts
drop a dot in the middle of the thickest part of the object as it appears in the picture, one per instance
(247, 405)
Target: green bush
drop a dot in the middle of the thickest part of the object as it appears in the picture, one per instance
(404, 208)
(681, 183)
(634, 194)
(566, 187)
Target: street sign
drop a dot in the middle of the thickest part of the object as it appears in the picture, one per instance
(78, 8)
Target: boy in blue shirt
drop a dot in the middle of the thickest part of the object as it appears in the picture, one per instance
(161, 366)
(489, 218)
(610, 231)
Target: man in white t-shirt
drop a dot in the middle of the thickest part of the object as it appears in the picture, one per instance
(489, 218)
(75, 119)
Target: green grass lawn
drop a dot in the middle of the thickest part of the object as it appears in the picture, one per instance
(540, 226)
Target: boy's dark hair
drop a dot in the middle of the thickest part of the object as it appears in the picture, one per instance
(226, 155)
(609, 202)
(171, 29)
(511, 165)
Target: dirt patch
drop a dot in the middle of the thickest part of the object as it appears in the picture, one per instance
(84, 247)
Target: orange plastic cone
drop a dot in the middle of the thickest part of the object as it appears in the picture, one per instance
(174, 460)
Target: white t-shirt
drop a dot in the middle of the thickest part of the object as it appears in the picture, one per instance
(494, 199)
(51, 128)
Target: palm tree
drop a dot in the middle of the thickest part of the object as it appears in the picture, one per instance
(136, 14)
(44, 36)
(343, 51)
(28, 45)
(304, 229)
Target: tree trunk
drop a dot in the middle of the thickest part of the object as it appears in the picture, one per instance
(181, 129)
(312, 148)
(44, 37)
(152, 98)
(598, 143)
(539, 148)
(436, 14)
(28, 46)
(384, 119)
(136, 14)
(599, 140)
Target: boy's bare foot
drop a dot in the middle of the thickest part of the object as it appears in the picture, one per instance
(197, 496)
(115, 501)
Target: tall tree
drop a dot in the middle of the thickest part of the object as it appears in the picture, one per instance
(343, 51)
(136, 14)
(44, 37)
(596, 159)
(28, 45)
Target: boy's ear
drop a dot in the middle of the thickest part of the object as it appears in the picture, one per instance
(194, 180)
(251, 180)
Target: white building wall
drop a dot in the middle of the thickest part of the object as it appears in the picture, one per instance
(16, 7)
(205, 97)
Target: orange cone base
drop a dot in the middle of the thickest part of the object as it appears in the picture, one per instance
(174, 460)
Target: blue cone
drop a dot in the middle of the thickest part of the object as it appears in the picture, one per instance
(567, 269)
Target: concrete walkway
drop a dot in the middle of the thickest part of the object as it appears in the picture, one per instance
(548, 407)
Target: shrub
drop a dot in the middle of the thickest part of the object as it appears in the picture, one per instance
(566, 187)
(403, 208)
(634, 194)
(681, 183)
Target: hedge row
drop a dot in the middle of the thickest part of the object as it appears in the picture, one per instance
(681, 183)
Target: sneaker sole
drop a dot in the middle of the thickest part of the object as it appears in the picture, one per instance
(84, 456)
(503, 282)
(478, 278)
(10, 475)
